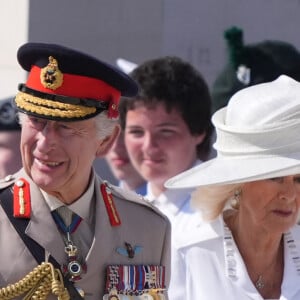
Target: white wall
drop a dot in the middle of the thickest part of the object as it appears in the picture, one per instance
(106, 29)
(141, 29)
(193, 29)
(13, 33)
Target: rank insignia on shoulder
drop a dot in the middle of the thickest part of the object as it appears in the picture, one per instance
(22, 206)
(110, 205)
(129, 251)
(136, 282)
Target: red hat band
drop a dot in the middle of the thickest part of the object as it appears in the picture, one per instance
(51, 81)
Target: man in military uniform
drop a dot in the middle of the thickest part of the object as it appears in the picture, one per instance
(57, 217)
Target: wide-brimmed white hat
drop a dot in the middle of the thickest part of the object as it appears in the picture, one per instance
(258, 137)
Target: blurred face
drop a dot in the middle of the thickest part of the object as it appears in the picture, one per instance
(120, 164)
(271, 205)
(58, 155)
(159, 143)
(10, 157)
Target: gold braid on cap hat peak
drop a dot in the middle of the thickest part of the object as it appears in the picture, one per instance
(51, 108)
(38, 284)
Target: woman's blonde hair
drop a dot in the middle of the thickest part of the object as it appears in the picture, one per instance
(211, 200)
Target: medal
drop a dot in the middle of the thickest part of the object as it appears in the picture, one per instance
(156, 294)
(75, 265)
(113, 295)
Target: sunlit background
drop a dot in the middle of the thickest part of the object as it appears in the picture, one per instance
(141, 29)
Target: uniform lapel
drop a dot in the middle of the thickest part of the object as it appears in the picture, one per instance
(102, 248)
(103, 230)
(41, 226)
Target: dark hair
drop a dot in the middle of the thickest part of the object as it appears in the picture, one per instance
(178, 85)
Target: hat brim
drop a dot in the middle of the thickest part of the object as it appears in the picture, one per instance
(223, 171)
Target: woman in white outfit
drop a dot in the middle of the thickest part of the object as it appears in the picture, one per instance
(249, 248)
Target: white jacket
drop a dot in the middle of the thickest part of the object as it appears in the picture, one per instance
(210, 270)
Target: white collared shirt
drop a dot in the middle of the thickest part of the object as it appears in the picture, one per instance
(83, 207)
(176, 205)
(209, 272)
(172, 203)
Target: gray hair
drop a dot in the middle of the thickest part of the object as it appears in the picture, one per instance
(211, 200)
(104, 125)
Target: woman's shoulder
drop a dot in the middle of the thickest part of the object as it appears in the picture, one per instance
(193, 231)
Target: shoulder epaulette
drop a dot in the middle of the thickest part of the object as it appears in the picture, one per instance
(6, 181)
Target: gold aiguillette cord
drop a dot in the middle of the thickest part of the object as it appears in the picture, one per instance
(37, 285)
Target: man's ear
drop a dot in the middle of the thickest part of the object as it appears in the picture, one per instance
(107, 142)
(200, 138)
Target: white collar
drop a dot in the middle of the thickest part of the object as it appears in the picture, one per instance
(171, 202)
(197, 231)
(81, 207)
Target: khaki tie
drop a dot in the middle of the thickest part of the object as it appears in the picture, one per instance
(66, 214)
(82, 237)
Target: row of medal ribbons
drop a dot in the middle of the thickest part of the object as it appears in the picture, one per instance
(135, 282)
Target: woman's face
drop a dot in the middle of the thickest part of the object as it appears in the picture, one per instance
(271, 204)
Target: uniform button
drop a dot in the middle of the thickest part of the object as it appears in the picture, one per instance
(8, 178)
(19, 183)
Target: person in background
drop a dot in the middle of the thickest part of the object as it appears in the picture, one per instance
(117, 158)
(252, 64)
(122, 168)
(167, 130)
(249, 251)
(65, 233)
(116, 165)
(10, 133)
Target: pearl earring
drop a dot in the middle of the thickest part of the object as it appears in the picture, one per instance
(235, 199)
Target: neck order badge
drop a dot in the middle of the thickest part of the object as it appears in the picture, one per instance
(76, 265)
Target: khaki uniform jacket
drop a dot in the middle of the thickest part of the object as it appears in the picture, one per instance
(141, 224)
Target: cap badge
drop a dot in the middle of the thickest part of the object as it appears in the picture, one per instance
(243, 74)
(51, 76)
